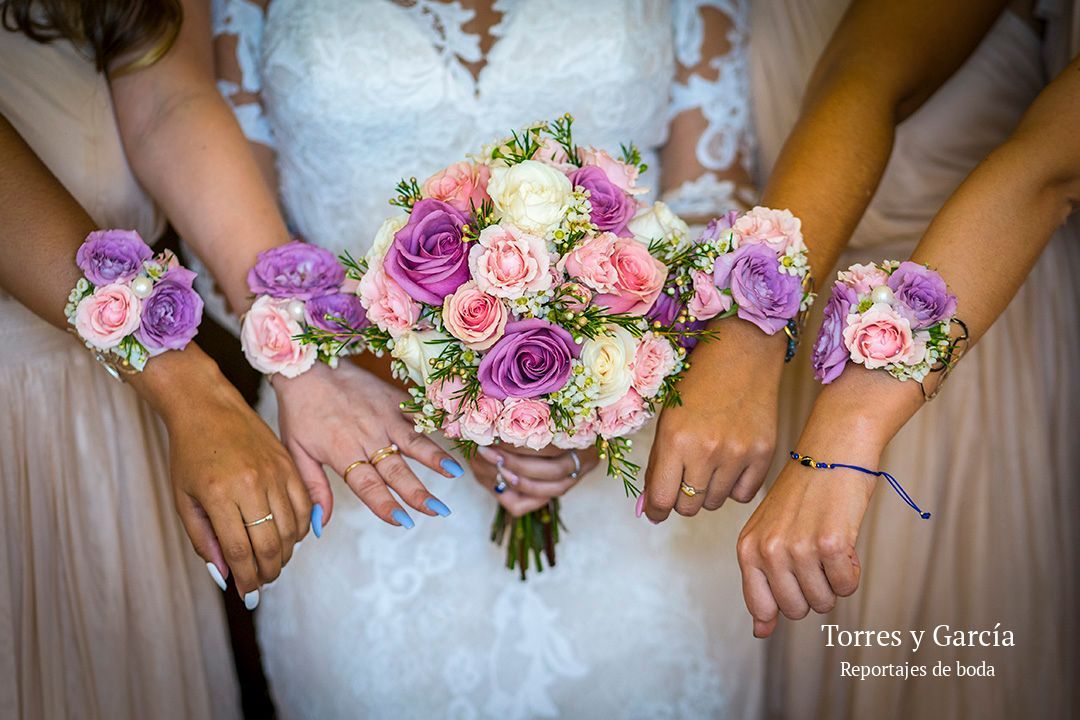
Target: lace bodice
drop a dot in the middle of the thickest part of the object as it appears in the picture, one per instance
(358, 94)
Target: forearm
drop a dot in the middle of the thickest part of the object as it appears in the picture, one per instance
(189, 152)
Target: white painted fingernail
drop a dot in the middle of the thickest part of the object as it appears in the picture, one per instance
(251, 600)
(216, 575)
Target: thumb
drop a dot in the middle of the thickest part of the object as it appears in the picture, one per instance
(201, 532)
(318, 487)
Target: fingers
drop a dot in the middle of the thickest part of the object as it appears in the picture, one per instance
(815, 586)
(545, 490)
(749, 482)
(201, 532)
(662, 478)
(235, 545)
(425, 451)
(555, 468)
(285, 520)
(759, 600)
(395, 471)
(265, 540)
(369, 486)
(317, 486)
(688, 502)
(719, 488)
(841, 564)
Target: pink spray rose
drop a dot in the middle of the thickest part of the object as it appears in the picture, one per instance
(474, 317)
(640, 279)
(653, 361)
(552, 153)
(386, 303)
(583, 436)
(778, 229)
(624, 417)
(462, 185)
(446, 394)
(619, 173)
(590, 262)
(708, 301)
(477, 421)
(526, 423)
(107, 316)
(863, 278)
(267, 339)
(507, 262)
(881, 336)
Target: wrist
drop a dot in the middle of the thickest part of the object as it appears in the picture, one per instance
(176, 382)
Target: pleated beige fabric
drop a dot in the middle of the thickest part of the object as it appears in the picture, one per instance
(105, 611)
(994, 458)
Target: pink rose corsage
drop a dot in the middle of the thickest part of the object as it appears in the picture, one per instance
(894, 316)
(131, 305)
(305, 309)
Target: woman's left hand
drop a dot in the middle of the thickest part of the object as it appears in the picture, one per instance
(532, 478)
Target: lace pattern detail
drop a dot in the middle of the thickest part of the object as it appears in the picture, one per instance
(244, 20)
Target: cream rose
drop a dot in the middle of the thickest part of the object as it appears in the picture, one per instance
(384, 237)
(417, 350)
(609, 358)
(658, 222)
(531, 195)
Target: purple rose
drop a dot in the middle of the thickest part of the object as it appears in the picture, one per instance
(766, 297)
(531, 359)
(108, 256)
(924, 292)
(171, 313)
(297, 270)
(427, 257)
(830, 353)
(612, 208)
(718, 225)
(666, 311)
(343, 307)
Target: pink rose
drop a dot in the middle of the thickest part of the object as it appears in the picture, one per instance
(625, 416)
(266, 336)
(575, 296)
(619, 173)
(653, 361)
(863, 278)
(462, 186)
(107, 316)
(386, 303)
(590, 262)
(881, 336)
(778, 229)
(508, 263)
(474, 317)
(583, 435)
(640, 279)
(446, 394)
(708, 301)
(553, 154)
(477, 421)
(525, 423)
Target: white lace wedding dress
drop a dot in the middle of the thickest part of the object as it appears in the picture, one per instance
(374, 621)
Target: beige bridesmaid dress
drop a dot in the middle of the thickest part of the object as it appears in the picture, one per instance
(105, 610)
(994, 457)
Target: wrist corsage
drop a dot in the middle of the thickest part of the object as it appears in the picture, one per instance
(131, 305)
(754, 266)
(303, 311)
(895, 316)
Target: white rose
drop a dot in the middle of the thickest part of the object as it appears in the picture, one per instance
(384, 237)
(531, 195)
(658, 223)
(416, 350)
(608, 358)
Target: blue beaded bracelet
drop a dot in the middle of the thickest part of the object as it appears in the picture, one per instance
(807, 461)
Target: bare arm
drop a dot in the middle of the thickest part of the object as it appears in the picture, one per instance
(984, 242)
(223, 455)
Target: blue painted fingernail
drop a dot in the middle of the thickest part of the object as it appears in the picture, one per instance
(402, 518)
(437, 506)
(450, 465)
(316, 519)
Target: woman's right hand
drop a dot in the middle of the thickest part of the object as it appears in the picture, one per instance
(533, 477)
(229, 469)
(335, 417)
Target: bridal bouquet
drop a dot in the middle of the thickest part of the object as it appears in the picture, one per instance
(534, 300)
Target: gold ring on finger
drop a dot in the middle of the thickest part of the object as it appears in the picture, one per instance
(352, 466)
(260, 521)
(383, 453)
(689, 490)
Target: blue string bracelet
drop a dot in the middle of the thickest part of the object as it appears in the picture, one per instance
(807, 461)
